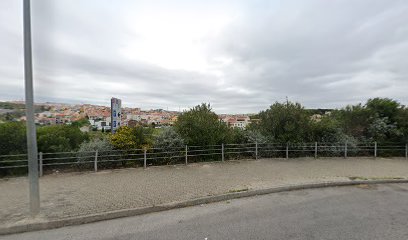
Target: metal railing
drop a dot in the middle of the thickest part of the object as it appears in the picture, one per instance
(94, 160)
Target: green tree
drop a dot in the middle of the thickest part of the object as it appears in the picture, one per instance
(60, 138)
(402, 124)
(13, 138)
(353, 120)
(383, 108)
(284, 122)
(201, 126)
(81, 122)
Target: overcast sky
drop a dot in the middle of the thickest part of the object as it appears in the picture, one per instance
(241, 56)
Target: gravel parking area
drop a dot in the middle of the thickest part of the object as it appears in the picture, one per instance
(74, 194)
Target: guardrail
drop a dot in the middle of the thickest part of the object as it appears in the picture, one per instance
(71, 161)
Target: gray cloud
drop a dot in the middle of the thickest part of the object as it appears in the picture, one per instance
(320, 53)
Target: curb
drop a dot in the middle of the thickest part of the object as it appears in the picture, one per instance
(211, 199)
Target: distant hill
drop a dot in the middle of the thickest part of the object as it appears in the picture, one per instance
(10, 105)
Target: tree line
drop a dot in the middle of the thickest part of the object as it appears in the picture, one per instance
(379, 119)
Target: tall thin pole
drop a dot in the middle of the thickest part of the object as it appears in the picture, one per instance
(345, 150)
(256, 150)
(186, 157)
(96, 161)
(375, 149)
(144, 158)
(222, 152)
(29, 101)
(41, 164)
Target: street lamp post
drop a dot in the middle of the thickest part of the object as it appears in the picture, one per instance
(29, 102)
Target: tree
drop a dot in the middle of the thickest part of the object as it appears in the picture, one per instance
(201, 126)
(284, 122)
(353, 120)
(81, 122)
(402, 124)
(13, 138)
(60, 138)
(381, 129)
(383, 108)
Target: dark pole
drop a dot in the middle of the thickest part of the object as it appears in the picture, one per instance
(29, 101)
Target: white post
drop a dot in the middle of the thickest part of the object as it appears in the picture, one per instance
(186, 154)
(375, 149)
(315, 149)
(256, 150)
(96, 161)
(287, 150)
(222, 152)
(145, 159)
(345, 150)
(41, 164)
(32, 150)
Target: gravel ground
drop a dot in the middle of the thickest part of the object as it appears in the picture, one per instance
(75, 194)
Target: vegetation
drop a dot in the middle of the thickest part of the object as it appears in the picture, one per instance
(379, 119)
(86, 150)
(127, 138)
(169, 141)
(201, 126)
(12, 138)
(284, 122)
(168, 138)
(60, 138)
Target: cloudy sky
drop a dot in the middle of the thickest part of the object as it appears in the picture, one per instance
(240, 56)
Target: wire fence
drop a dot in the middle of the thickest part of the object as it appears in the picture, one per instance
(95, 160)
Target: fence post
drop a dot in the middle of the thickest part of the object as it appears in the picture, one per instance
(144, 158)
(406, 151)
(287, 150)
(186, 155)
(345, 150)
(375, 149)
(222, 151)
(96, 161)
(256, 150)
(315, 149)
(41, 163)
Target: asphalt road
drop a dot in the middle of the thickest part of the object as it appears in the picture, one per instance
(364, 212)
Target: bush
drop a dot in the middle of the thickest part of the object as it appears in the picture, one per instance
(13, 138)
(127, 138)
(201, 126)
(60, 138)
(169, 141)
(284, 122)
(86, 152)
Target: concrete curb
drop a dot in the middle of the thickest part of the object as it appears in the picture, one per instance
(139, 211)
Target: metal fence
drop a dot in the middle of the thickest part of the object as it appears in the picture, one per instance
(94, 160)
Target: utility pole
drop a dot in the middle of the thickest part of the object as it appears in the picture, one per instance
(32, 152)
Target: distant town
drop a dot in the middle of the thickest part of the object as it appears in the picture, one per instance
(99, 117)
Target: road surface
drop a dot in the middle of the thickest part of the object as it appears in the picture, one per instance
(362, 212)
